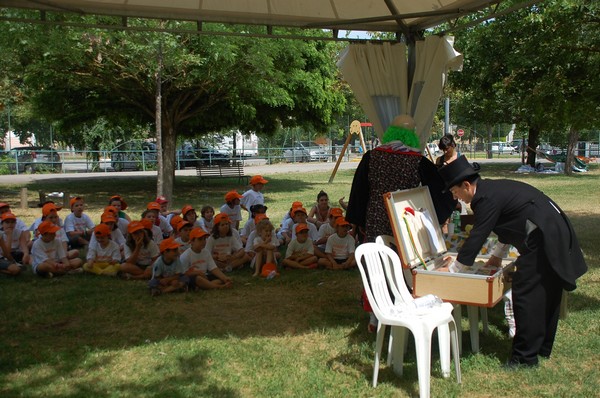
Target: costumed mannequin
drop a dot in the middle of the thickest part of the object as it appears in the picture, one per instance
(394, 165)
(549, 261)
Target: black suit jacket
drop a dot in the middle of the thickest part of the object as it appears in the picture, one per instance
(504, 206)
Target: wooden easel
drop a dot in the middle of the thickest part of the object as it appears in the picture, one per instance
(354, 129)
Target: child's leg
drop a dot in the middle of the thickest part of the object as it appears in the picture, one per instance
(288, 262)
(135, 271)
(270, 256)
(308, 260)
(6, 267)
(319, 253)
(72, 254)
(75, 263)
(324, 262)
(259, 263)
(239, 262)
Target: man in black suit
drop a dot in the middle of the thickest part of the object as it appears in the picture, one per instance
(550, 259)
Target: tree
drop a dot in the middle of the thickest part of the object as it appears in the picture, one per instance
(208, 83)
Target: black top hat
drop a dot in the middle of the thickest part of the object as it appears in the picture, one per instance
(456, 172)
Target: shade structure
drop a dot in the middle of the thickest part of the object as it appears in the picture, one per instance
(379, 76)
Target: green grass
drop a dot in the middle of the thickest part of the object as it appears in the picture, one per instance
(302, 334)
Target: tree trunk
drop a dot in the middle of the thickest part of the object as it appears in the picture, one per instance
(573, 137)
(166, 173)
(488, 149)
(532, 143)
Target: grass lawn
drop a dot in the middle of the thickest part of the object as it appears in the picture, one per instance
(300, 335)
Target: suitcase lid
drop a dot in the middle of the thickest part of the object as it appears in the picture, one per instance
(418, 241)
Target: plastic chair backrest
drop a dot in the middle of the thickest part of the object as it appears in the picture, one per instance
(394, 270)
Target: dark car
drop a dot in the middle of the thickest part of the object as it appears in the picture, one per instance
(134, 155)
(188, 156)
(34, 159)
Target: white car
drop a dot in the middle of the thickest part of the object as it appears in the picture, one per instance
(502, 147)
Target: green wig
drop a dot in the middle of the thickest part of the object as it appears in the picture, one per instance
(397, 133)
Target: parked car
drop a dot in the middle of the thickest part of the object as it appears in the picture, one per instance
(189, 156)
(517, 144)
(319, 154)
(296, 154)
(434, 149)
(133, 155)
(502, 147)
(32, 159)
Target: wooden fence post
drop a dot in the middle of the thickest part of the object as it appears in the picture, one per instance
(24, 201)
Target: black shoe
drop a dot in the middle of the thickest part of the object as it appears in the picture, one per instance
(515, 363)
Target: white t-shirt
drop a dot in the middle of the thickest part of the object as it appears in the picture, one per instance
(79, 224)
(249, 226)
(15, 243)
(116, 236)
(184, 245)
(42, 251)
(223, 246)
(164, 225)
(160, 268)
(104, 254)
(235, 213)
(252, 237)
(122, 223)
(297, 247)
(340, 248)
(251, 198)
(206, 225)
(157, 235)
(36, 223)
(202, 261)
(146, 253)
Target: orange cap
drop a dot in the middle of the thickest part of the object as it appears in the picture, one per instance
(102, 230)
(120, 199)
(186, 209)
(135, 226)
(336, 212)
(197, 232)
(8, 216)
(296, 204)
(75, 199)
(267, 269)
(301, 227)
(108, 217)
(168, 243)
(153, 206)
(298, 210)
(48, 208)
(341, 221)
(257, 179)
(175, 220)
(231, 196)
(147, 223)
(161, 199)
(47, 227)
(181, 224)
(221, 217)
(259, 217)
(111, 209)
(4, 205)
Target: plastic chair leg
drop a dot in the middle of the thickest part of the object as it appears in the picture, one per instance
(455, 350)
(378, 344)
(457, 314)
(399, 348)
(423, 346)
(444, 344)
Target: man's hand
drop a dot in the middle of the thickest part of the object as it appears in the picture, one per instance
(494, 261)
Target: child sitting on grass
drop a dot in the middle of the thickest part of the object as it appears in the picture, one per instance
(206, 220)
(140, 253)
(263, 245)
(183, 235)
(78, 225)
(250, 225)
(328, 229)
(202, 270)
(339, 251)
(300, 251)
(48, 255)
(168, 273)
(50, 213)
(226, 249)
(16, 240)
(8, 265)
(232, 208)
(104, 256)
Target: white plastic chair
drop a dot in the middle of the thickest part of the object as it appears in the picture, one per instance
(377, 265)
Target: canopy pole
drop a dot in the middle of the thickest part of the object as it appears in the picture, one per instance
(354, 129)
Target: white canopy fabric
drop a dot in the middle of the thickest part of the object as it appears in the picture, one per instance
(378, 75)
(402, 16)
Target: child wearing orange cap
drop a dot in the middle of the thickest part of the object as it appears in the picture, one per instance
(116, 236)
(206, 220)
(201, 268)
(161, 222)
(121, 222)
(183, 235)
(287, 224)
(254, 195)
(16, 240)
(251, 224)
(104, 256)
(8, 265)
(151, 214)
(168, 273)
(263, 245)
(48, 255)
(339, 250)
(140, 252)
(328, 229)
(225, 247)
(119, 203)
(78, 225)
(300, 252)
(50, 213)
(232, 208)
(300, 217)
(164, 209)
(188, 213)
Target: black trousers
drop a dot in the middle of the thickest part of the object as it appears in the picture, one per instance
(536, 293)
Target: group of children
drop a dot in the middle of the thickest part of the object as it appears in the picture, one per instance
(177, 250)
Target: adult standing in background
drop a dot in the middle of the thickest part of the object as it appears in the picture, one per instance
(448, 146)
